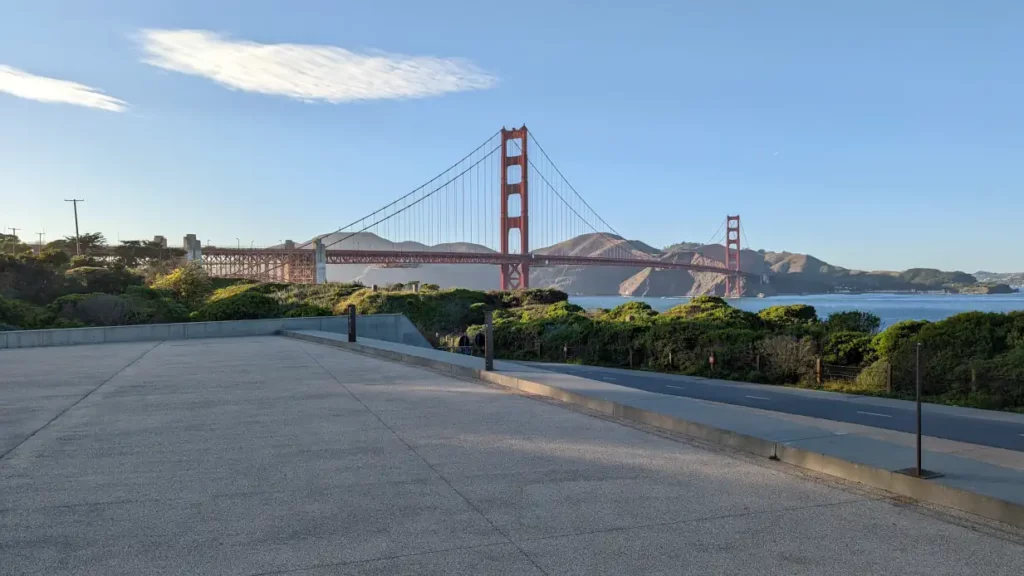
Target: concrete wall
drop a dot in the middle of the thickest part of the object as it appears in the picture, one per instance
(388, 327)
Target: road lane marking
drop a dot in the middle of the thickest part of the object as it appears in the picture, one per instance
(758, 397)
(608, 378)
(681, 388)
(882, 415)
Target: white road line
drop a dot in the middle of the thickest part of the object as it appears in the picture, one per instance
(758, 397)
(608, 378)
(681, 388)
(882, 415)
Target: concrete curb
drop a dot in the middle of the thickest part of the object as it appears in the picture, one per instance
(918, 489)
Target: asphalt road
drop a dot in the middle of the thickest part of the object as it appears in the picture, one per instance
(987, 428)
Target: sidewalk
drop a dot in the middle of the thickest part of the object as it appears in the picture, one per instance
(968, 484)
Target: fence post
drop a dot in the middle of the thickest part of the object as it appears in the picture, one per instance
(711, 360)
(351, 322)
(631, 357)
(488, 340)
(757, 362)
(818, 371)
(888, 377)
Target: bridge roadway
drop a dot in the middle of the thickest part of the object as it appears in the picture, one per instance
(982, 427)
(268, 455)
(221, 255)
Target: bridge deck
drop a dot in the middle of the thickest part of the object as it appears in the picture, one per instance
(260, 455)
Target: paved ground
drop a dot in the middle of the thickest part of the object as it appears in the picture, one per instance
(981, 427)
(269, 455)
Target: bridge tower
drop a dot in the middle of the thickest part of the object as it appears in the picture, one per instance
(733, 278)
(515, 275)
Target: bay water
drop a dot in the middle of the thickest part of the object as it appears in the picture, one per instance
(891, 308)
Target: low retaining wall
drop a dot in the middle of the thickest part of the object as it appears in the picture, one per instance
(917, 488)
(387, 327)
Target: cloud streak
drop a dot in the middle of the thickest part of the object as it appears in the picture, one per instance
(55, 91)
(309, 72)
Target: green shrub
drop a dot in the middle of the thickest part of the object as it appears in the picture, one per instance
(307, 310)
(30, 279)
(245, 305)
(793, 314)
(153, 306)
(853, 321)
(848, 349)
(92, 279)
(528, 297)
(85, 261)
(874, 378)
(93, 309)
(189, 284)
(18, 315)
(623, 312)
(714, 309)
(895, 336)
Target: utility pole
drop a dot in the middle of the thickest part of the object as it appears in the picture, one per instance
(78, 244)
(41, 234)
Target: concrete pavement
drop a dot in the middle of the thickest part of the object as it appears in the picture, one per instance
(269, 455)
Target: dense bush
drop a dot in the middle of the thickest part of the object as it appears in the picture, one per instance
(853, 321)
(307, 310)
(30, 279)
(895, 337)
(792, 314)
(714, 309)
(18, 315)
(245, 305)
(91, 279)
(630, 311)
(151, 306)
(93, 309)
(848, 348)
(189, 284)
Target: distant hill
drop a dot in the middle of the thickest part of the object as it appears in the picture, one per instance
(1010, 278)
(789, 273)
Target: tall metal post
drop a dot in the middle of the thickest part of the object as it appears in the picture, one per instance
(515, 274)
(78, 243)
(918, 470)
(488, 340)
(917, 378)
(351, 322)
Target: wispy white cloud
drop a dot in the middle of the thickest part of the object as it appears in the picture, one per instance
(309, 72)
(43, 89)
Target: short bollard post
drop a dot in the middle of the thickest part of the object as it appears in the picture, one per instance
(819, 372)
(488, 341)
(351, 322)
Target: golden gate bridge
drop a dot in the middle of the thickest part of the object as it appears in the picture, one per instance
(494, 206)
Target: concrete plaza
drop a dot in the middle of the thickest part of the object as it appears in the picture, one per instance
(269, 455)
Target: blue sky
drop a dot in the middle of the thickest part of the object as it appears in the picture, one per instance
(875, 134)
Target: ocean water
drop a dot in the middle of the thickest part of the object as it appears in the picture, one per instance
(891, 308)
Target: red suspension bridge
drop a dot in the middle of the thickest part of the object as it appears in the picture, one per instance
(494, 206)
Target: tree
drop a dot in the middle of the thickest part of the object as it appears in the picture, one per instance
(89, 242)
(11, 244)
(135, 253)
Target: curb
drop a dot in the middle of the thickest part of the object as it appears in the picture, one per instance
(924, 490)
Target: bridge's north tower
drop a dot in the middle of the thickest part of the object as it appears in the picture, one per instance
(515, 275)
